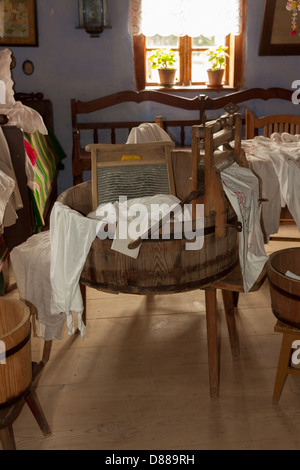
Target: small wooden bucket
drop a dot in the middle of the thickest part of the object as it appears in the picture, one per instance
(285, 291)
(15, 351)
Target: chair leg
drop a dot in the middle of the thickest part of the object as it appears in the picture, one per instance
(236, 296)
(83, 293)
(77, 179)
(34, 405)
(212, 341)
(7, 438)
(229, 307)
(282, 368)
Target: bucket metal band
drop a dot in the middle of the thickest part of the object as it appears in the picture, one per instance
(15, 349)
(284, 320)
(284, 293)
(14, 400)
(204, 283)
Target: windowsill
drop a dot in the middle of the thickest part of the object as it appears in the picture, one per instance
(191, 88)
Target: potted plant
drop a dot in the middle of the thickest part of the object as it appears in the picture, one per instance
(217, 58)
(164, 61)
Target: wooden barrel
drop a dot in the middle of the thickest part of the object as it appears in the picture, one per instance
(285, 291)
(15, 351)
(163, 266)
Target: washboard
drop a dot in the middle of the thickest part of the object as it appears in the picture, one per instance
(131, 170)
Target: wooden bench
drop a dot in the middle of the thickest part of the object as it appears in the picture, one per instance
(197, 107)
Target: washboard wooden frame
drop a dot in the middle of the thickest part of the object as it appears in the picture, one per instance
(146, 167)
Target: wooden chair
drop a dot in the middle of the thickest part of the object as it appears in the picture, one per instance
(268, 124)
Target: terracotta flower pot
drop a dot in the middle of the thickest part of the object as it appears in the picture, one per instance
(167, 77)
(215, 77)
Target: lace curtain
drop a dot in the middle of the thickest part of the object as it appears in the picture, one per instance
(181, 17)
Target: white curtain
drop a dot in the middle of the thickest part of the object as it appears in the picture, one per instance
(181, 17)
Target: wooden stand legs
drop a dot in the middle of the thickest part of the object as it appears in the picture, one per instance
(285, 367)
(9, 414)
(34, 404)
(212, 341)
(7, 438)
(229, 301)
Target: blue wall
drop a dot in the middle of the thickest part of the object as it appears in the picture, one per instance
(70, 64)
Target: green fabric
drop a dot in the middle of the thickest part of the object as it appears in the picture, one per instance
(49, 156)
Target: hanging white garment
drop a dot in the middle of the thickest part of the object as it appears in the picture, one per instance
(7, 214)
(71, 236)
(241, 188)
(31, 267)
(7, 168)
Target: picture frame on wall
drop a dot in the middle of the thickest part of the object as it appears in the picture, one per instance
(276, 37)
(18, 23)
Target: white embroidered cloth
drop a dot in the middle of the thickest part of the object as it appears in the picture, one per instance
(241, 188)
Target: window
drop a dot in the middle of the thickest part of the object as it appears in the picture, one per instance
(157, 28)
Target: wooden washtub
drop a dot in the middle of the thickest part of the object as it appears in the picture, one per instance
(285, 291)
(163, 266)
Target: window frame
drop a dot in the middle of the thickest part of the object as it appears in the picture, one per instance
(234, 74)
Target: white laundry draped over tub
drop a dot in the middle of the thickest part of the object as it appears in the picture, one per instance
(48, 265)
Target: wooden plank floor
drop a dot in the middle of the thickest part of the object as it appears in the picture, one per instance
(139, 380)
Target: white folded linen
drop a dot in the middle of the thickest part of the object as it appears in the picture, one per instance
(292, 275)
(269, 188)
(282, 152)
(147, 132)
